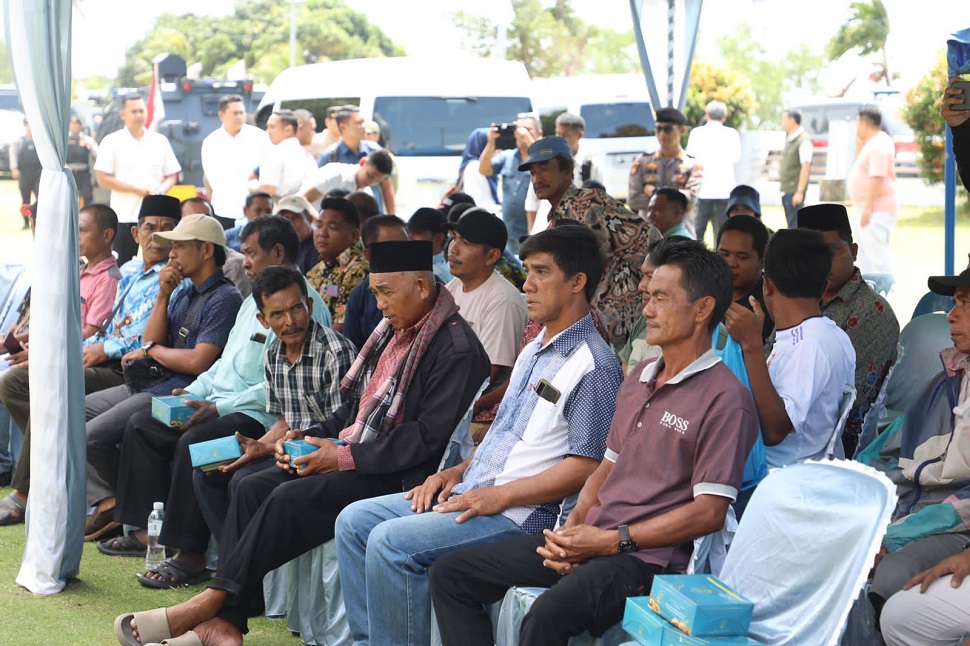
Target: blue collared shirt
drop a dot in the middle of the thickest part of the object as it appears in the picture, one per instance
(212, 323)
(532, 433)
(124, 330)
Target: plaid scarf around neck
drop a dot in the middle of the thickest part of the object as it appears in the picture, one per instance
(384, 410)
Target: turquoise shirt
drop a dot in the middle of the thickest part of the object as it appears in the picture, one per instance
(678, 230)
(235, 381)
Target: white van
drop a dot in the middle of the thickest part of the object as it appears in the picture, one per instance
(426, 108)
(619, 120)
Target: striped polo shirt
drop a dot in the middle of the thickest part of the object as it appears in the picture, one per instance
(532, 433)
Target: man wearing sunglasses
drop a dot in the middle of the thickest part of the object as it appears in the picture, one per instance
(667, 167)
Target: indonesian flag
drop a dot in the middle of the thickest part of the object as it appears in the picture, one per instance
(156, 109)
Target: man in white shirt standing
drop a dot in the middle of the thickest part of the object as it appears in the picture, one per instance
(286, 162)
(717, 149)
(132, 163)
(369, 172)
(798, 389)
(570, 127)
(229, 155)
(492, 306)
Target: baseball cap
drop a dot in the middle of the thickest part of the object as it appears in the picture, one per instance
(296, 204)
(427, 219)
(545, 149)
(947, 285)
(455, 198)
(204, 228)
(372, 128)
(478, 226)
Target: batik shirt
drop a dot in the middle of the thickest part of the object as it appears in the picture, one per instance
(335, 281)
(625, 237)
(871, 325)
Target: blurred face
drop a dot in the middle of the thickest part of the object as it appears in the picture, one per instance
(787, 123)
(233, 117)
(258, 207)
(959, 320)
(333, 235)
(331, 125)
(189, 256)
(549, 180)
(669, 134)
(529, 125)
(401, 297)
(275, 129)
(372, 136)
(437, 240)
(74, 127)
(369, 175)
(305, 130)
(468, 259)
(134, 113)
(91, 241)
(300, 222)
(353, 128)
(571, 135)
(737, 249)
(644, 285)
(287, 313)
(843, 260)
(662, 214)
(548, 293)
(256, 259)
(671, 317)
(152, 252)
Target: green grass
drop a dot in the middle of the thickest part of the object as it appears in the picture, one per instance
(84, 613)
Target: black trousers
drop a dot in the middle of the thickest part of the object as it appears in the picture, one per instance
(592, 597)
(273, 518)
(155, 465)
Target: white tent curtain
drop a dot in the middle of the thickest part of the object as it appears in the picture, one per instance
(39, 41)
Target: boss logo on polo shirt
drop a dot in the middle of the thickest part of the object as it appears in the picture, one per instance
(674, 422)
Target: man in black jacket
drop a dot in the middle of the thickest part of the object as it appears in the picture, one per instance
(427, 367)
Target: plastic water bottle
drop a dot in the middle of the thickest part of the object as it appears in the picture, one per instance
(155, 555)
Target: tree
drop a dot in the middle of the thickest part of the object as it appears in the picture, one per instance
(258, 32)
(6, 70)
(771, 79)
(710, 82)
(865, 30)
(551, 40)
(922, 114)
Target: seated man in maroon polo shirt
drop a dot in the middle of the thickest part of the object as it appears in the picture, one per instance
(674, 460)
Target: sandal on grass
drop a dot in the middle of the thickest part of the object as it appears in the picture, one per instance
(127, 545)
(12, 511)
(152, 627)
(102, 525)
(188, 639)
(175, 574)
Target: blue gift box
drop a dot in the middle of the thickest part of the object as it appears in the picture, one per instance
(297, 448)
(700, 605)
(209, 455)
(172, 410)
(642, 623)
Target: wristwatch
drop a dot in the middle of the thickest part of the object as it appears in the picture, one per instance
(145, 348)
(627, 544)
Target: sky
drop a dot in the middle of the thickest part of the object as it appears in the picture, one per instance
(920, 28)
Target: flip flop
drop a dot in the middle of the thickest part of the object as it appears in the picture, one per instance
(188, 639)
(126, 545)
(152, 627)
(12, 511)
(176, 576)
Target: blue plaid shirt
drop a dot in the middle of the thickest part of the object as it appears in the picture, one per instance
(124, 330)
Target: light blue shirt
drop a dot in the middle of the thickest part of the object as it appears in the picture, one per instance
(235, 381)
(139, 291)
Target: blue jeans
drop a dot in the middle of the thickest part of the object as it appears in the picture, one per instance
(791, 211)
(383, 552)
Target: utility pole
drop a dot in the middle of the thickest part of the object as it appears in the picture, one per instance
(293, 4)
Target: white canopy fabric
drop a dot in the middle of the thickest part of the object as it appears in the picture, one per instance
(39, 41)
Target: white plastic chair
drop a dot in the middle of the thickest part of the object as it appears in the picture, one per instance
(805, 547)
(316, 602)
